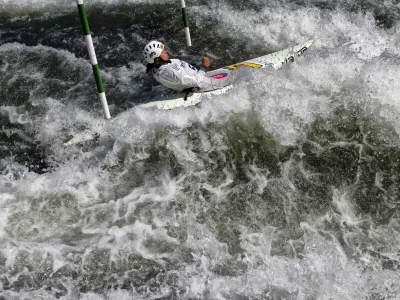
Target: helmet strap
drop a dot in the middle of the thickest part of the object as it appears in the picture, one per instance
(158, 61)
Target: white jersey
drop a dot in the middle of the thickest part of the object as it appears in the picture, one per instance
(178, 75)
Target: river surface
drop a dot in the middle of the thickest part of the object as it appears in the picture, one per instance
(285, 187)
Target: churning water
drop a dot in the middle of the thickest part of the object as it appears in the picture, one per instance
(286, 187)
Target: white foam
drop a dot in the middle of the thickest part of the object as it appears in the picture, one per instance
(5, 200)
(348, 56)
(343, 202)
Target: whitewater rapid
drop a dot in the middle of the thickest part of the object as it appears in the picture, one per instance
(285, 187)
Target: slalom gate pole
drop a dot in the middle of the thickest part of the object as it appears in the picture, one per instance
(186, 23)
(93, 59)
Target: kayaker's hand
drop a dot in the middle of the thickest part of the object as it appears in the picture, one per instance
(205, 61)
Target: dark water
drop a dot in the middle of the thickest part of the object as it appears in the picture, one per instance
(286, 187)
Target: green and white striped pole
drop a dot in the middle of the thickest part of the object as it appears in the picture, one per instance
(93, 59)
(186, 23)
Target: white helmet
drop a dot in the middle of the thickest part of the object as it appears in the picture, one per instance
(152, 50)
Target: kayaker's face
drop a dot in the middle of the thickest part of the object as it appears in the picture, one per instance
(164, 55)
